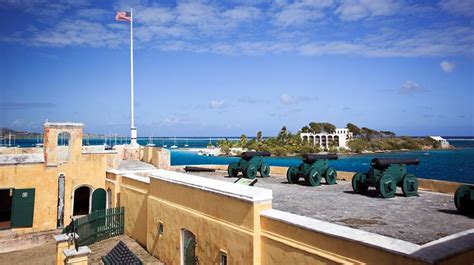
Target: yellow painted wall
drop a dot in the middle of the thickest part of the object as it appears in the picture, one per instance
(133, 196)
(112, 182)
(217, 221)
(157, 156)
(311, 245)
(90, 171)
(464, 258)
(80, 169)
(225, 223)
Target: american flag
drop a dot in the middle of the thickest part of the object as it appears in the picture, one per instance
(123, 16)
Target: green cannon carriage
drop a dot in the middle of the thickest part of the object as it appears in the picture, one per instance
(250, 163)
(464, 199)
(312, 169)
(385, 175)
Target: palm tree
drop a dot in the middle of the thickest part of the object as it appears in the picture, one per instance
(243, 141)
(259, 136)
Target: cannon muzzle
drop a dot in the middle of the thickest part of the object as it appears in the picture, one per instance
(248, 155)
(385, 162)
(310, 158)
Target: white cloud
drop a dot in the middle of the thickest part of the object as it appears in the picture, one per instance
(216, 104)
(410, 87)
(94, 13)
(448, 67)
(242, 13)
(352, 10)
(462, 7)
(416, 43)
(210, 27)
(300, 12)
(78, 33)
(287, 99)
(155, 15)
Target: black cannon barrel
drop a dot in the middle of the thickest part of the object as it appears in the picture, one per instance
(198, 169)
(310, 158)
(249, 154)
(385, 162)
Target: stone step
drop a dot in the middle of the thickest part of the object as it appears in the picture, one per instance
(12, 241)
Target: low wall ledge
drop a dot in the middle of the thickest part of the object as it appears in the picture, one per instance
(82, 251)
(123, 172)
(241, 192)
(99, 152)
(138, 178)
(447, 247)
(63, 124)
(347, 233)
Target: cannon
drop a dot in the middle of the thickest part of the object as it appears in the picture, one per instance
(385, 175)
(464, 199)
(312, 169)
(249, 164)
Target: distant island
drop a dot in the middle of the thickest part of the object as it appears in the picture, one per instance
(6, 132)
(359, 140)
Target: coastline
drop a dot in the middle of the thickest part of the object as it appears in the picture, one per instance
(221, 154)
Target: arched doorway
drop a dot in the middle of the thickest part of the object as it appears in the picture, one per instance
(188, 247)
(82, 198)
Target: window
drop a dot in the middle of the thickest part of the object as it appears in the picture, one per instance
(223, 257)
(160, 229)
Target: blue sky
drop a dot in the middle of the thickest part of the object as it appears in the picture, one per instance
(223, 68)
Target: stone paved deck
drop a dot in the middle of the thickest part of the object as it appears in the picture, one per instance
(45, 253)
(419, 220)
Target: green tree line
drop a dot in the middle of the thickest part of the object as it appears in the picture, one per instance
(288, 143)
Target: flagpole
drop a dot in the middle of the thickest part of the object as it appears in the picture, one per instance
(133, 130)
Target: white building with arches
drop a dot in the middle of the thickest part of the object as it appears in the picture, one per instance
(325, 140)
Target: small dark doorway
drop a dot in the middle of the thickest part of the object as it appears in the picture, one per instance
(81, 201)
(5, 208)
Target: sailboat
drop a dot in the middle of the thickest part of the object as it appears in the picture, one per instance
(174, 146)
(150, 141)
(186, 145)
(163, 143)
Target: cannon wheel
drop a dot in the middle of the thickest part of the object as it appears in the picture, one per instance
(463, 204)
(386, 186)
(313, 178)
(409, 185)
(233, 169)
(292, 175)
(330, 175)
(358, 183)
(264, 170)
(250, 171)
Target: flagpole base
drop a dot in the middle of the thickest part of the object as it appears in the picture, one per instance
(133, 136)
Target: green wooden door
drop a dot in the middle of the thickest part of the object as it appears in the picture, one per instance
(189, 251)
(98, 200)
(23, 206)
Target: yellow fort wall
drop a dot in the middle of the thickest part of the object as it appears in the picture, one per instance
(79, 169)
(248, 230)
(133, 197)
(89, 170)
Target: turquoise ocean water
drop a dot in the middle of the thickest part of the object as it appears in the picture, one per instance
(453, 165)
